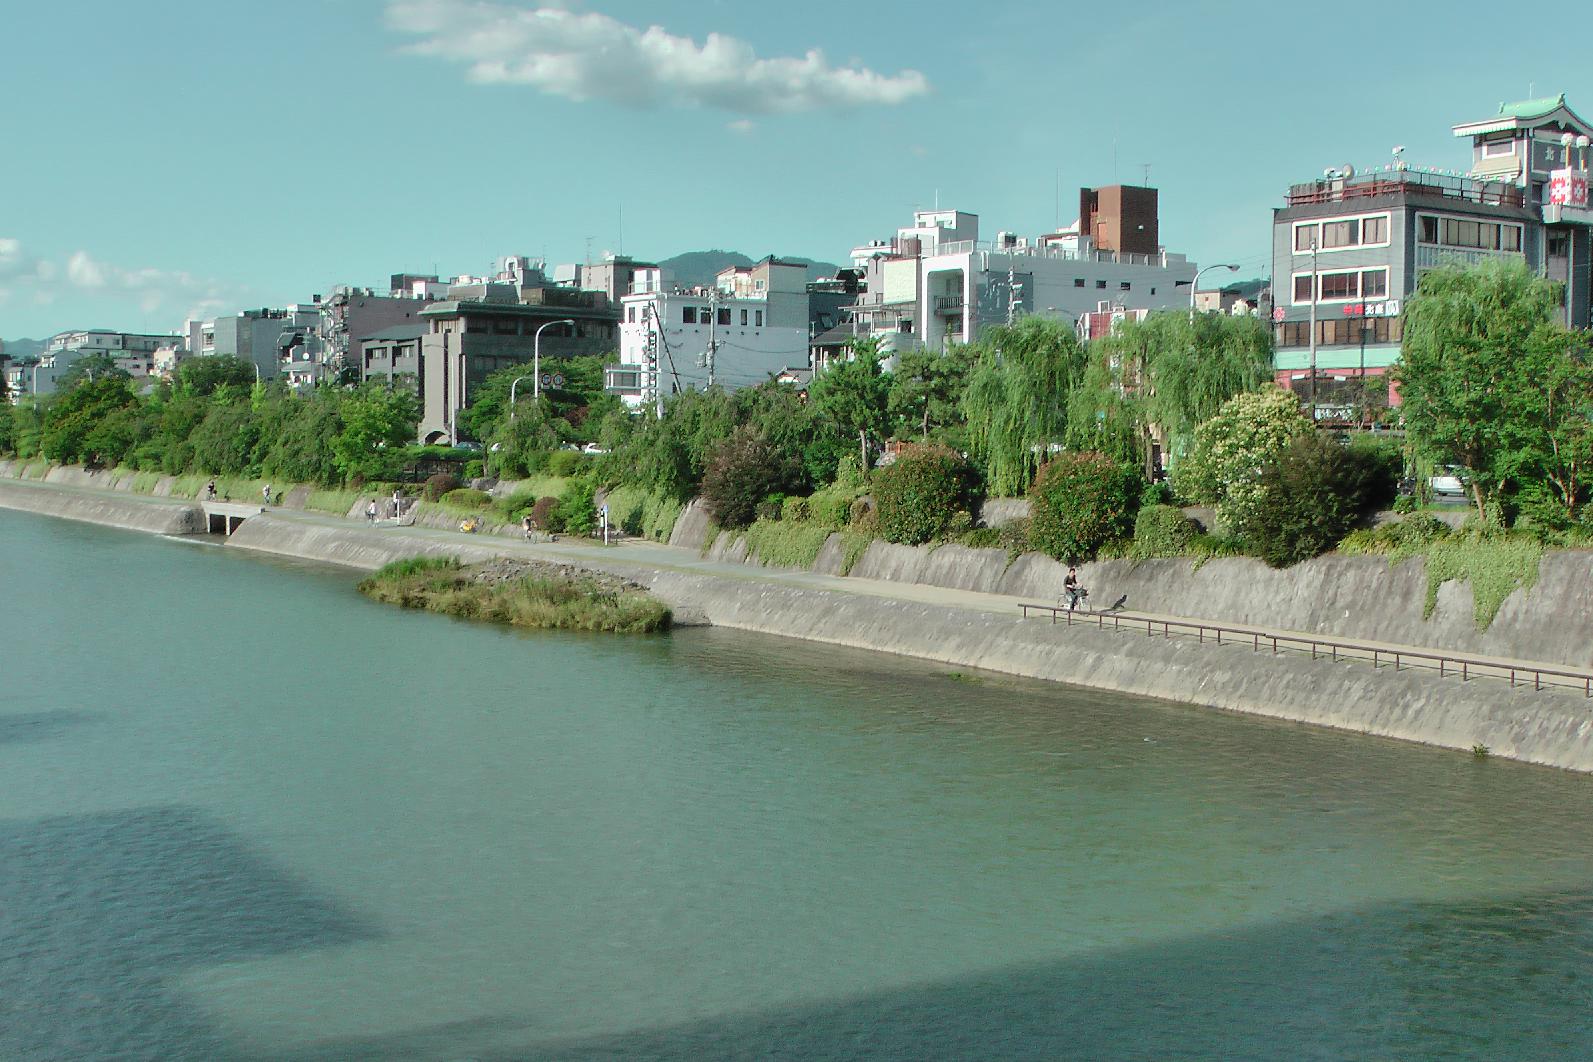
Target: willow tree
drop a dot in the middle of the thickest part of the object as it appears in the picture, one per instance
(1017, 398)
(1470, 375)
(1154, 380)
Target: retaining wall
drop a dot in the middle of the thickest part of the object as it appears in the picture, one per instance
(132, 513)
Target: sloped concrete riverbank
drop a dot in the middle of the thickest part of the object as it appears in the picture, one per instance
(962, 628)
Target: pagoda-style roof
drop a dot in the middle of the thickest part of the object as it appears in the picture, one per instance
(1548, 111)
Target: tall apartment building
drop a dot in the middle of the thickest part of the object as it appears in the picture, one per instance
(938, 283)
(1349, 248)
(744, 330)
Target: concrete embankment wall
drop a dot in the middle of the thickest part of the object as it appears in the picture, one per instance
(131, 513)
(1348, 597)
(1554, 729)
(1550, 728)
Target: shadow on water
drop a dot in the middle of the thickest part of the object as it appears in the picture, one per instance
(1485, 980)
(98, 912)
(38, 726)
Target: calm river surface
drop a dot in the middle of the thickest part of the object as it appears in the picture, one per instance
(245, 813)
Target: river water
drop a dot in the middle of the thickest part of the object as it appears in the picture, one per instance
(245, 813)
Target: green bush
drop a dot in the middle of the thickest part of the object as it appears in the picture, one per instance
(467, 498)
(643, 513)
(563, 463)
(436, 486)
(1162, 531)
(743, 470)
(1081, 501)
(783, 544)
(546, 515)
(1315, 491)
(795, 509)
(919, 495)
(578, 507)
(771, 507)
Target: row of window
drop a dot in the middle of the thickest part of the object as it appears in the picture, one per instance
(1343, 286)
(1473, 235)
(1346, 331)
(1100, 285)
(1341, 233)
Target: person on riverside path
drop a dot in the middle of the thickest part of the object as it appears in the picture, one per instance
(265, 492)
(210, 490)
(525, 525)
(370, 512)
(1072, 590)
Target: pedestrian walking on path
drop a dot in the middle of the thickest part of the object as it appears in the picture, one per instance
(370, 512)
(265, 492)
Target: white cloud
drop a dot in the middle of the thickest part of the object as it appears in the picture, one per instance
(742, 125)
(594, 57)
(150, 289)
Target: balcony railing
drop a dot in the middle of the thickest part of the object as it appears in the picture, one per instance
(1431, 257)
(949, 303)
(1410, 183)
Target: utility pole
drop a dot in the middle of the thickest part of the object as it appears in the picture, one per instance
(713, 330)
(1314, 283)
(653, 330)
(1012, 289)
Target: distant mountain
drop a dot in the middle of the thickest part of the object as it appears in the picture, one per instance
(22, 348)
(699, 268)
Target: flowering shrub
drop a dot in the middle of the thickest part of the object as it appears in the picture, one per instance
(1231, 449)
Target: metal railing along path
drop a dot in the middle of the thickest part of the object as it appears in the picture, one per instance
(1465, 665)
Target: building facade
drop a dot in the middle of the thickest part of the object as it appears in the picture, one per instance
(937, 283)
(465, 341)
(133, 353)
(752, 324)
(1350, 247)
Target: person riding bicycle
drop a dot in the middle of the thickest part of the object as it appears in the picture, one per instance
(1073, 590)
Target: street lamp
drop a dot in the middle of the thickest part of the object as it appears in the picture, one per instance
(512, 385)
(536, 357)
(1194, 285)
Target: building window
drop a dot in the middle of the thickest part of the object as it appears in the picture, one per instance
(760, 318)
(1510, 238)
(1374, 230)
(1078, 282)
(1124, 286)
(1304, 237)
(1559, 245)
(630, 314)
(1469, 234)
(1340, 234)
(1302, 288)
(688, 315)
(1101, 284)
(724, 317)
(1495, 148)
(743, 318)
(1339, 286)
(1374, 284)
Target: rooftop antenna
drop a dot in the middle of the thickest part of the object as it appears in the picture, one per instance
(621, 229)
(1147, 168)
(937, 198)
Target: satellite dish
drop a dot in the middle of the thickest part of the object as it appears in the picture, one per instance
(1346, 171)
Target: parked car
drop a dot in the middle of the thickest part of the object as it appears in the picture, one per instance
(1446, 481)
(593, 449)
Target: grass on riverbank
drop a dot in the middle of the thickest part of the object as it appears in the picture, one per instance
(571, 602)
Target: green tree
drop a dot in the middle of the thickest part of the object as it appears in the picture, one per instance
(1016, 399)
(1224, 466)
(88, 368)
(202, 376)
(1154, 380)
(71, 418)
(1473, 340)
(925, 390)
(746, 468)
(374, 421)
(849, 400)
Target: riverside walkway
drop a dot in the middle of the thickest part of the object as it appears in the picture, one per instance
(637, 554)
(1443, 664)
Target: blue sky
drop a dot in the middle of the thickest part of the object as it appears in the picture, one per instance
(163, 158)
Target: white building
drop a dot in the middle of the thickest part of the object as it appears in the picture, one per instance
(743, 331)
(938, 283)
(134, 353)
